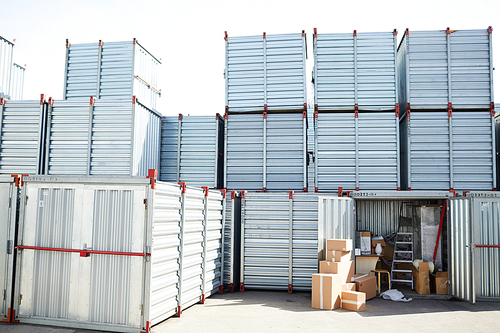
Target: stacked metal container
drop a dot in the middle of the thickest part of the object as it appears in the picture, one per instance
(266, 118)
(446, 86)
(22, 136)
(98, 137)
(192, 150)
(111, 70)
(17, 82)
(115, 253)
(356, 111)
(6, 50)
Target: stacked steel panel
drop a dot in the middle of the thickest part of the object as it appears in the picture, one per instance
(111, 70)
(446, 85)
(266, 118)
(17, 82)
(6, 50)
(356, 111)
(192, 150)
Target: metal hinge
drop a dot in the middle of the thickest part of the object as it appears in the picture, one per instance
(10, 202)
(4, 292)
(142, 310)
(9, 247)
(145, 201)
(20, 298)
(148, 250)
(27, 198)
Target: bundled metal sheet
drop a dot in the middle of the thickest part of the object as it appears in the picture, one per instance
(115, 253)
(191, 150)
(111, 70)
(266, 72)
(355, 69)
(446, 66)
(9, 191)
(266, 151)
(283, 236)
(443, 150)
(6, 50)
(22, 136)
(100, 137)
(356, 151)
(17, 82)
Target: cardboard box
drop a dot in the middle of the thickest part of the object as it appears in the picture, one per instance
(338, 256)
(353, 300)
(388, 252)
(344, 269)
(421, 277)
(349, 287)
(439, 283)
(366, 284)
(326, 291)
(339, 244)
(366, 242)
(374, 244)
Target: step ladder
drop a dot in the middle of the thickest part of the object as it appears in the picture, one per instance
(403, 252)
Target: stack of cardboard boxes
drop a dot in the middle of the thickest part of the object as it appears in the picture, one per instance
(336, 285)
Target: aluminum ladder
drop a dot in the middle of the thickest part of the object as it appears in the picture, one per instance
(403, 252)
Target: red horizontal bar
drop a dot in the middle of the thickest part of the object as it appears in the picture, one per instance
(498, 246)
(133, 254)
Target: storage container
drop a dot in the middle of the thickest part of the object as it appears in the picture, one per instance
(6, 50)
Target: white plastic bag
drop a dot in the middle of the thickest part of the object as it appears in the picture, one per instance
(394, 295)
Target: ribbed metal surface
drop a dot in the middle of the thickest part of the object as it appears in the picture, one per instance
(232, 241)
(112, 70)
(146, 138)
(8, 208)
(17, 82)
(194, 156)
(212, 254)
(266, 70)
(354, 69)
(310, 150)
(437, 68)
(6, 50)
(460, 261)
(22, 129)
(357, 152)
(433, 158)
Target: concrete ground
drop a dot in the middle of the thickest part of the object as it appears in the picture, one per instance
(260, 311)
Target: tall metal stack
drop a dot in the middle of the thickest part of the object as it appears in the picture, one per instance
(446, 86)
(11, 74)
(266, 113)
(356, 111)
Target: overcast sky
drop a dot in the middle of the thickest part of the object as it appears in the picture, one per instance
(189, 35)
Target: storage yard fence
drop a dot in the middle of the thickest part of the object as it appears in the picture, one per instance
(114, 253)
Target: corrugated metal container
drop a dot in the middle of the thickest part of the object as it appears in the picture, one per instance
(8, 208)
(266, 151)
(266, 72)
(357, 151)
(6, 50)
(283, 236)
(22, 136)
(446, 66)
(232, 241)
(114, 137)
(192, 150)
(17, 82)
(441, 150)
(310, 150)
(355, 69)
(114, 253)
(111, 70)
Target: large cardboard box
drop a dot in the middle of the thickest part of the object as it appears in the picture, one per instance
(366, 283)
(421, 277)
(339, 244)
(344, 269)
(338, 256)
(326, 291)
(366, 242)
(439, 283)
(349, 287)
(353, 300)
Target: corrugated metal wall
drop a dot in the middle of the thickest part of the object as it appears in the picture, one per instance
(17, 82)
(232, 241)
(22, 133)
(212, 253)
(266, 72)
(6, 50)
(169, 149)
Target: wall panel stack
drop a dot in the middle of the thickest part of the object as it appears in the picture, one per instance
(6, 66)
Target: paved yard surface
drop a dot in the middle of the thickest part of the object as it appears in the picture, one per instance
(258, 311)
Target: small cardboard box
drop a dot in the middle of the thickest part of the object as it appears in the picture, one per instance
(338, 256)
(344, 269)
(421, 277)
(339, 244)
(366, 283)
(377, 241)
(366, 242)
(388, 252)
(326, 291)
(353, 300)
(349, 287)
(439, 283)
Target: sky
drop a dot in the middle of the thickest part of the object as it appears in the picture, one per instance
(188, 36)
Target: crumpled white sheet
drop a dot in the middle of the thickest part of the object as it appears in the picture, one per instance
(394, 295)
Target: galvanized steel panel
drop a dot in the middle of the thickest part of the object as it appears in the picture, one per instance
(81, 75)
(6, 50)
(352, 69)
(22, 132)
(17, 82)
(212, 255)
(169, 149)
(266, 72)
